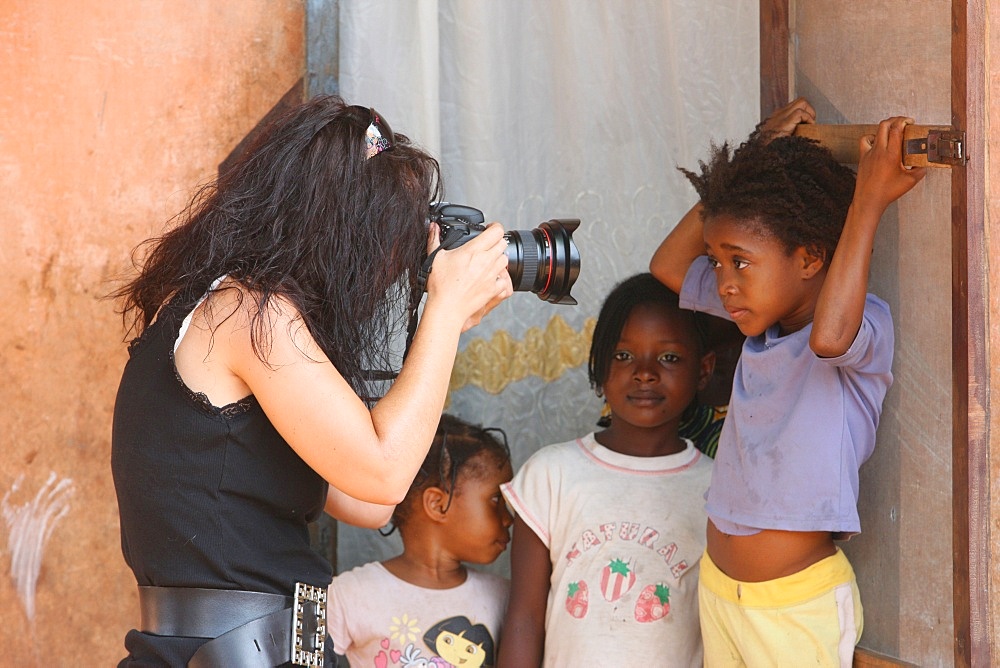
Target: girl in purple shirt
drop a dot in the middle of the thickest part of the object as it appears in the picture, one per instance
(780, 243)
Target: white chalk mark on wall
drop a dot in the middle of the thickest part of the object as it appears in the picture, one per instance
(28, 529)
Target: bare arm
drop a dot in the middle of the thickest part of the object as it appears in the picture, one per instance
(679, 249)
(373, 455)
(882, 179)
(344, 508)
(522, 642)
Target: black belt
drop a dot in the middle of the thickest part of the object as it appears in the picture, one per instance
(246, 628)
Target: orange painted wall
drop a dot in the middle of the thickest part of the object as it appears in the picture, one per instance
(110, 113)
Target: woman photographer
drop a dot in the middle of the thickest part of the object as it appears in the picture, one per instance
(240, 415)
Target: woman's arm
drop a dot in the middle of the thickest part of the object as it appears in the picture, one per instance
(344, 508)
(370, 455)
(522, 641)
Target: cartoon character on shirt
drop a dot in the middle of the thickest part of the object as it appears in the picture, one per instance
(461, 643)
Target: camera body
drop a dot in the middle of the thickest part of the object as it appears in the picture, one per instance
(544, 260)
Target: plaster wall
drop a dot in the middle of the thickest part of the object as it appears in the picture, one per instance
(110, 114)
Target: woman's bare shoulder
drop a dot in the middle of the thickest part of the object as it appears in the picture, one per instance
(271, 330)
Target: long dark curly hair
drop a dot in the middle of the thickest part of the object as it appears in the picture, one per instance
(302, 214)
(789, 187)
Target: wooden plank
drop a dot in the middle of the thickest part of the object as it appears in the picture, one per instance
(970, 319)
(866, 658)
(774, 68)
(842, 140)
(832, 95)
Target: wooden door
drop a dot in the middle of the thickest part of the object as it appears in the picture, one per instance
(923, 559)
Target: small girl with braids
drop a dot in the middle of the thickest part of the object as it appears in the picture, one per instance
(781, 243)
(424, 607)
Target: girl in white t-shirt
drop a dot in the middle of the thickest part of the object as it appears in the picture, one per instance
(424, 607)
(609, 527)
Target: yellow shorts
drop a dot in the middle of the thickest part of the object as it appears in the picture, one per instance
(812, 617)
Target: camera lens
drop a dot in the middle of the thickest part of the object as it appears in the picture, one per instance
(545, 260)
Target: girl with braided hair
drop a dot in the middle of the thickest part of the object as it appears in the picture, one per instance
(425, 605)
(609, 527)
(780, 243)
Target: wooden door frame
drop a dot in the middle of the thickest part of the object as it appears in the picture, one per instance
(970, 307)
(970, 342)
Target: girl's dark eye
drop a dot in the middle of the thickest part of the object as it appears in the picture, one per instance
(715, 264)
(669, 357)
(622, 356)
(741, 264)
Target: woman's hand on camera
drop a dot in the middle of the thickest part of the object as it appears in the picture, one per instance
(471, 279)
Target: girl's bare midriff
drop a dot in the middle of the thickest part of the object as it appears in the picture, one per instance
(769, 554)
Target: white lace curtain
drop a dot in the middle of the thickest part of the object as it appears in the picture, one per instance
(542, 109)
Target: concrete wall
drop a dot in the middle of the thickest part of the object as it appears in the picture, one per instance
(110, 113)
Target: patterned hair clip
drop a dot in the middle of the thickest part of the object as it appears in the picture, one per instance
(378, 136)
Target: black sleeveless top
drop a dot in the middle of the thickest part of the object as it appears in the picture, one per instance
(208, 497)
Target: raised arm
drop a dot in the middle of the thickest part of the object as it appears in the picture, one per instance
(370, 455)
(679, 249)
(882, 179)
(522, 641)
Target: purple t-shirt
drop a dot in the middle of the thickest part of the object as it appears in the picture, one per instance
(799, 426)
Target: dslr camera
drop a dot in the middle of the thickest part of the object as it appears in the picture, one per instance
(544, 260)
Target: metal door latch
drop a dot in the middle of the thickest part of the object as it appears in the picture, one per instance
(942, 147)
